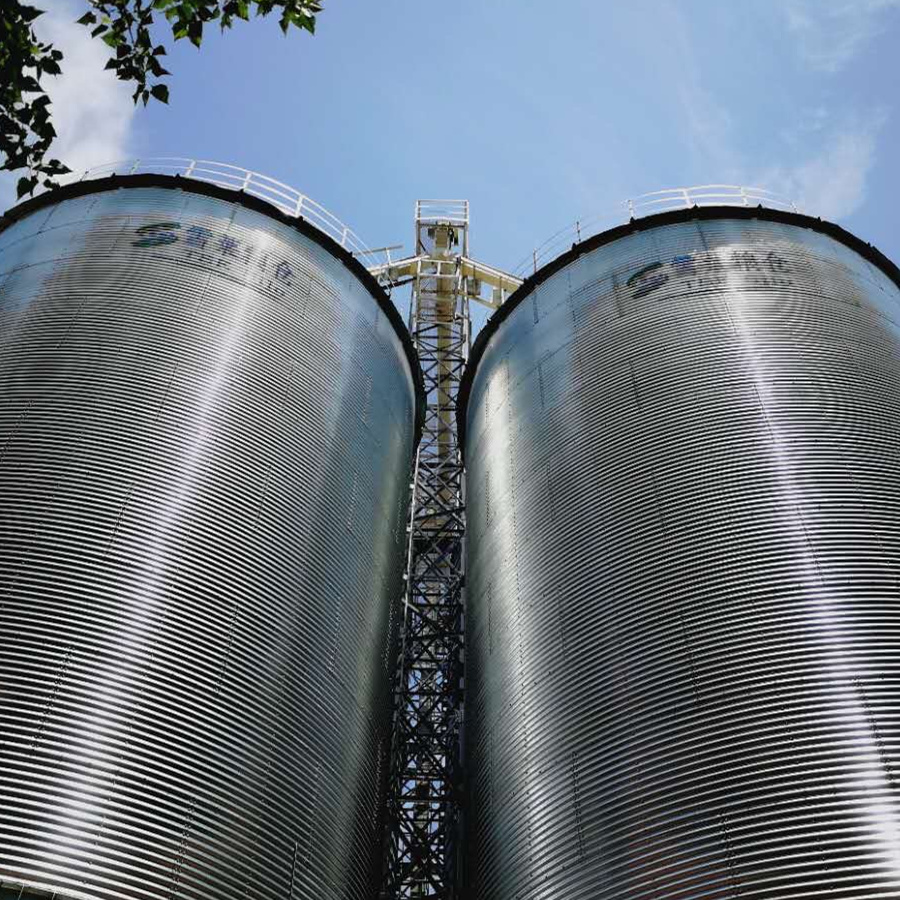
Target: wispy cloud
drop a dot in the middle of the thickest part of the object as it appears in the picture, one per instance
(830, 33)
(708, 129)
(707, 126)
(821, 159)
(832, 182)
(91, 110)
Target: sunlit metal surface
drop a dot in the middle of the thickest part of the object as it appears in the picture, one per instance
(683, 650)
(206, 427)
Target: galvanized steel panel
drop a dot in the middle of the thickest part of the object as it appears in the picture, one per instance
(206, 425)
(683, 454)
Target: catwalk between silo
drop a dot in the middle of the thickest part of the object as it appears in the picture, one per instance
(683, 451)
(207, 417)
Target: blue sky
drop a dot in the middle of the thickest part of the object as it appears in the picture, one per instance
(537, 112)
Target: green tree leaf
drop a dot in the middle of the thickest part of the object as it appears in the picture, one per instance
(26, 131)
(127, 27)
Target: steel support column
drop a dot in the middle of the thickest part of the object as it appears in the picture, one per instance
(423, 838)
(426, 776)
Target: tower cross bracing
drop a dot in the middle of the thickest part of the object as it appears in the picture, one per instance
(424, 825)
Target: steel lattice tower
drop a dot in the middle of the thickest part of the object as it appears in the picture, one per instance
(426, 777)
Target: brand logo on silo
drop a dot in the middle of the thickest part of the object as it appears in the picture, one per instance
(201, 245)
(156, 234)
(648, 279)
(690, 271)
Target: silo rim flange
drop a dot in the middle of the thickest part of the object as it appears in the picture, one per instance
(175, 182)
(672, 217)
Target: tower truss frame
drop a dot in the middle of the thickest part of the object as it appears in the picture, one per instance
(424, 802)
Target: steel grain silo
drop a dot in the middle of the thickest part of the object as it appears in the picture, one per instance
(207, 416)
(683, 451)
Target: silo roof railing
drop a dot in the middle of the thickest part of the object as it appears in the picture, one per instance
(453, 211)
(648, 205)
(282, 196)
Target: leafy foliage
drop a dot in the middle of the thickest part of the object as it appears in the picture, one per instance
(26, 131)
(127, 27)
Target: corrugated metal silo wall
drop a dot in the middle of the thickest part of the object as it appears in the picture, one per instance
(683, 454)
(206, 423)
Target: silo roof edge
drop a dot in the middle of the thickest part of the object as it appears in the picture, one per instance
(671, 217)
(175, 182)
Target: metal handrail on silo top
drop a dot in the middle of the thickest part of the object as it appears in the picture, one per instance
(282, 196)
(647, 205)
